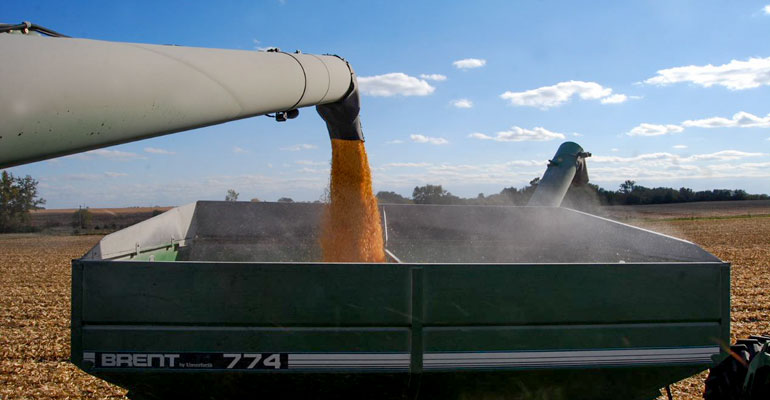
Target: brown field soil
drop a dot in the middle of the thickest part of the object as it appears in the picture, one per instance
(35, 320)
(35, 297)
(98, 211)
(102, 219)
(702, 209)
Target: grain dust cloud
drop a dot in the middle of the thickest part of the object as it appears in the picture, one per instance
(351, 230)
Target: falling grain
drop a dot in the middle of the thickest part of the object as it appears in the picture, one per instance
(351, 230)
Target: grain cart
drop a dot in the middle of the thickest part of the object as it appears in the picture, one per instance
(227, 299)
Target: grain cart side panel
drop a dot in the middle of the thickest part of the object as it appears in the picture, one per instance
(630, 311)
(572, 294)
(489, 301)
(270, 295)
(625, 328)
(580, 328)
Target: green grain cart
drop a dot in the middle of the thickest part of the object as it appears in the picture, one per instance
(227, 300)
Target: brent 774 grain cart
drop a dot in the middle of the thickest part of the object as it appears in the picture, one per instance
(227, 300)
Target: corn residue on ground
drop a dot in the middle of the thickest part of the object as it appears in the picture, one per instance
(351, 230)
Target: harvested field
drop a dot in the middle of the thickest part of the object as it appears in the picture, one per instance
(35, 320)
(105, 219)
(35, 298)
(703, 209)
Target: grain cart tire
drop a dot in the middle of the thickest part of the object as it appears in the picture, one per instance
(760, 385)
(725, 381)
(133, 395)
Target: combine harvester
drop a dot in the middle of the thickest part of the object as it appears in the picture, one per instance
(227, 300)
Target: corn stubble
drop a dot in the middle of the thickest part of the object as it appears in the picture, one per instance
(35, 320)
(351, 230)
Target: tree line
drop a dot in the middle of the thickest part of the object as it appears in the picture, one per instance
(629, 193)
(19, 195)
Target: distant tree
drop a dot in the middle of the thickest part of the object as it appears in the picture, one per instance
(255, 200)
(433, 194)
(392, 198)
(285, 200)
(627, 187)
(156, 212)
(511, 195)
(81, 218)
(18, 196)
(686, 194)
(232, 195)
(740, 194)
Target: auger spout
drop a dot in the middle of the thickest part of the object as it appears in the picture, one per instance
(567, 166)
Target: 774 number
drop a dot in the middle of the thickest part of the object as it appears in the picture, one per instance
(255, 360)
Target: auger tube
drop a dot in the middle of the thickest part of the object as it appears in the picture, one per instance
(61, 96)
(567, 166)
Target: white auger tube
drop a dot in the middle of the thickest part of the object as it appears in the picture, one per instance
(61, 96)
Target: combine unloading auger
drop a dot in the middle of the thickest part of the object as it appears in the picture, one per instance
(62, 95)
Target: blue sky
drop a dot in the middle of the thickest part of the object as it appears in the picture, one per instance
(475, 96)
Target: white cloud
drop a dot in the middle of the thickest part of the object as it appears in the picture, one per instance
(257, 46)
(433, 77)
(307, 170)
(612, 170)
(239, 150)
(575, 134)
(668, 166)
(614, 149)
(646, 129)
(428, 139)
(392, 84)
(312, 163)
(407, 165)
(766, 9)
(86, 176)
(417, 173)
(662, 158)
(462, 103)
(394, 141)
(468, 63)
(517, 134)
(680, 146)
(735, 75)
(560, 93)
(740, 119)
(299, 147)
(155, 150)
(614, 99)
(723, 155)
(110, 154)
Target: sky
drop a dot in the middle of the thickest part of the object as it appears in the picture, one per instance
(475, 96)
